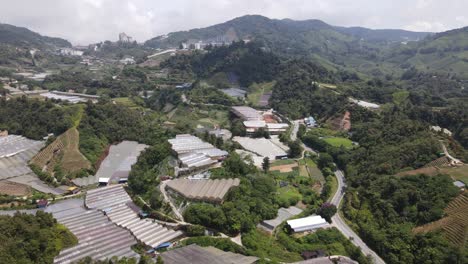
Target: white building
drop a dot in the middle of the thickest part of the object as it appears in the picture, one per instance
(128, 61)
(365, 104)
(272, 128)
(443, 130)
(71, 52)
(308, 223)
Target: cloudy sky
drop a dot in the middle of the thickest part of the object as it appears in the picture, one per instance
(88, 21)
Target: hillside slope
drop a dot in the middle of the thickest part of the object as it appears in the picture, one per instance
(20, 36)
(445, 52)
(354, 49)
(64, 152)
(282, 31)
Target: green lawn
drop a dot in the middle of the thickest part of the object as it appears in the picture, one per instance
(288, 193)
(459, 173)
(339, 141)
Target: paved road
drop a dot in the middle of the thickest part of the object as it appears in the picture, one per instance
(453, 159)
(340, 224)
(293, 137)
(337, 220)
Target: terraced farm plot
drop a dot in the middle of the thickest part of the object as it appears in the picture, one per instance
(14, 189)
(64, 150)
(284, 168)
(455, 224)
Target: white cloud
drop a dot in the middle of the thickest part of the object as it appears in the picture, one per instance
(426, 26)
(86, 21)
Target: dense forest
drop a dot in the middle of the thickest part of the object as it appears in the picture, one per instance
(251, 62)
(32, 238)
(105, 123)
(35, 119)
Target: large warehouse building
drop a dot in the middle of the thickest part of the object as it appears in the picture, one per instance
(255, 120)
(263, 147)
(247, 113)
(194, 154)
(117, 165)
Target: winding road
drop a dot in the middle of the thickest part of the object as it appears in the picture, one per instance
(453, 159)
(340, 224)
(337, 220)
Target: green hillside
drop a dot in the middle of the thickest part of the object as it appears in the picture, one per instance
(24, 37)
(445, 52)
(354, 49)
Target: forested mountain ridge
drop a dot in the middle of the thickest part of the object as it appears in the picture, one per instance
(255, 26)
(23, 37)
(333, 47)
(442, 52)
(371, 52)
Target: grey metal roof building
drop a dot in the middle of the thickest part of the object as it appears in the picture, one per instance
(283, 215)
(117, 165)
(195, 254)
(15, 153)
(204, 190)
(194, 153)
(115, 202)
(98, 237)
(262, 146)
(196, 160)
(247, 113)
(191, 144)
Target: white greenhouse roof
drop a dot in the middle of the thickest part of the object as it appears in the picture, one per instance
(307, 221)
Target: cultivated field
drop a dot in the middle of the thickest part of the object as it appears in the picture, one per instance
(455, 224)
(63, 150)
(284, 168)
(14, 189)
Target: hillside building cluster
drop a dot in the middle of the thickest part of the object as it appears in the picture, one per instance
(254, 120)
(194, 154)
